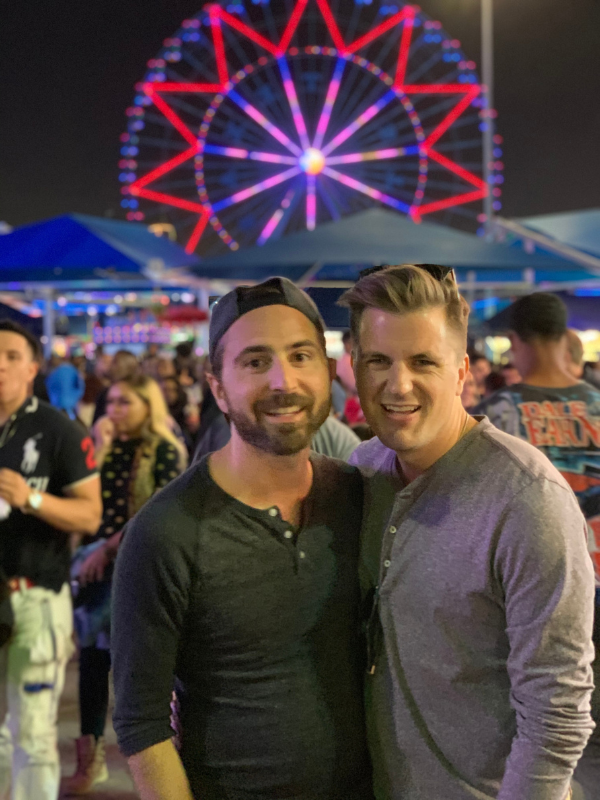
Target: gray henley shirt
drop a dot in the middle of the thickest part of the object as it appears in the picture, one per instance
(482, 682)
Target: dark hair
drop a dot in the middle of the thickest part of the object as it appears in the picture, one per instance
(346, 336)
(185, 349)
(539, 316)
(33, 342)
(405, 288)
(494, 381)
(478, 357)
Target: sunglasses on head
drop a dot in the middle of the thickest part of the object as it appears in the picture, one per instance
(437, 271)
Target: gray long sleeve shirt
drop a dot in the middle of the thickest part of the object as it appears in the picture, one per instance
(482, 682)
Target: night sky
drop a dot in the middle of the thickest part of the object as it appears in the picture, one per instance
(69, 67)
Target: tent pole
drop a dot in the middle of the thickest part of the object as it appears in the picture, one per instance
(49, 327)
(310, 274)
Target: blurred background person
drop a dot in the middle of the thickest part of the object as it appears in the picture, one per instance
(574, 354)
(559, 414)
(480, 366)
(123, 365)
(181, 410)
(96, 381)
(150, 361)
(591, 373)
(165, 368)
(492, 383)
(344, 365)
(65, 386)
(137, 455)
(510, 374)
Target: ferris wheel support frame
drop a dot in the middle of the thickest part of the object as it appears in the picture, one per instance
(487, 76)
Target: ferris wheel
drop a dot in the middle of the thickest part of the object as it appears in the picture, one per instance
(263, 117)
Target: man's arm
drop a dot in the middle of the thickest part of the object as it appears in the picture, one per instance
(547, 578)
(159, 775)
(150, 598)
(81, 512)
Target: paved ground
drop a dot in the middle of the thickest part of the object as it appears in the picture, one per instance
(119, 786)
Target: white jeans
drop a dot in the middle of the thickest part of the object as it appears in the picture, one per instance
(32, 677)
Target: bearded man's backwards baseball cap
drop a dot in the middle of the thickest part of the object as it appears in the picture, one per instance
(274, 292)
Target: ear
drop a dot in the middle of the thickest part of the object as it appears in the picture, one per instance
(463, 369)
(33, 370)
(216, 388)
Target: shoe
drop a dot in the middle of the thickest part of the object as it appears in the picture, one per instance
(91, 766)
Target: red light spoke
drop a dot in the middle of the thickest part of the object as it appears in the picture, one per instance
(241, 27)
(384, 27)
(452, 166)
(332, 27)
(405, 48)
(164, 168)
(169, 200)
(291, 26)
(440, 88)
(197, 233)
(438, 132)
(210, 88)
(175, 121)
(440, 205)
(215, 23)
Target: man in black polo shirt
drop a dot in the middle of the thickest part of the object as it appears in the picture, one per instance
(49, 488)
(239, 581)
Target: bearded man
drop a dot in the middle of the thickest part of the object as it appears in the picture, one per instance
(241, 577)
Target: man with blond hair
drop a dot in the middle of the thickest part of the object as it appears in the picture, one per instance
(475, 555)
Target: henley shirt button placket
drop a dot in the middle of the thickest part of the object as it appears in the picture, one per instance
(387, 563)
(272, 512)
(288, 535)
(302, 554)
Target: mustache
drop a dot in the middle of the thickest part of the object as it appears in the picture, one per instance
(278, 402)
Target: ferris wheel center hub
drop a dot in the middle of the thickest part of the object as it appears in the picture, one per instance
(312, 161)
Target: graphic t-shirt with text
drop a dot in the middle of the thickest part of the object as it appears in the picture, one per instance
(565, 425)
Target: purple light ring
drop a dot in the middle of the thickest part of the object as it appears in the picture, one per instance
(294, 52)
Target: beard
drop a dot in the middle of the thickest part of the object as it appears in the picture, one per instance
(286, 438)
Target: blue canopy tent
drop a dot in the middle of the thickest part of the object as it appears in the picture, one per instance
(573, 235)
(329, 259)
(87, 250)
(580, 229)
(77, 251)
(336, 251)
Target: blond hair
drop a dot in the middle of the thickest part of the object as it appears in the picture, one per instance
(157, 424)
(403, 289)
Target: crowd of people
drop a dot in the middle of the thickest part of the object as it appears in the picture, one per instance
(289, 612)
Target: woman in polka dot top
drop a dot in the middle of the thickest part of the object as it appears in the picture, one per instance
(138, 455)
